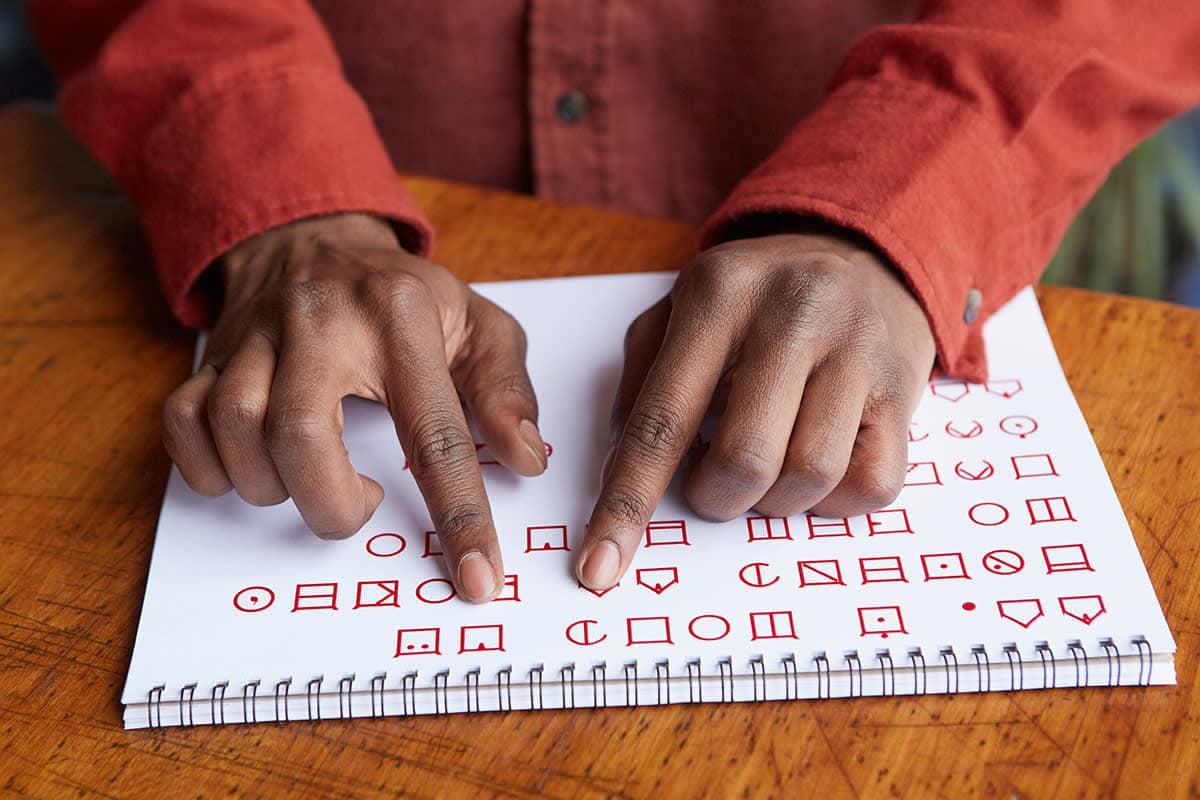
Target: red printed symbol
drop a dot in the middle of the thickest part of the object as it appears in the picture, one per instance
(377, 594)
(1037, 465)
(658, 579)
(509, 590)
(988, 514)
(385, 545)
(828, 528)
(1049, 509)
(316, 597)
(1003, 562)
(600, 593)
(709, 627)
(480, 638)
(953, 390)
(968, 606)
(1004, 388)
(880, 621)
(539, 538)
(943, 566)
(960, 431)
(922, 473)
(433, 545)
(974, 472)
(757, 580)
(888, 520)
(761, 529)
(429, 592)
(882, 569)
(1084, 607)
(648, 630)
(772, 625)
(418, 641)
(1023, 612)
(253, 598)
(666, 533)
(915, 434)
(1066, 558)
(580, 632)
(826, 572)
(1019, 425)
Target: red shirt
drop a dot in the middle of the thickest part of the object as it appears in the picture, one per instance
(961, 136)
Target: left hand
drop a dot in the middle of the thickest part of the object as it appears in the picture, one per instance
(817, 351)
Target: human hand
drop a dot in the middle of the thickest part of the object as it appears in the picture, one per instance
(333, 306)
(817, 352)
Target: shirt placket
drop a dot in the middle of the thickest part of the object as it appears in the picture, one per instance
(568, 110)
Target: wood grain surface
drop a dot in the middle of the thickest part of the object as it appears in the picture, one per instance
(87, 353)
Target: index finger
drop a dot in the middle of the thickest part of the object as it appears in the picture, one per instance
(658, 432)
(433, 431)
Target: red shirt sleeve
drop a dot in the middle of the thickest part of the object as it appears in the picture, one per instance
(963, 144)
(219, 119)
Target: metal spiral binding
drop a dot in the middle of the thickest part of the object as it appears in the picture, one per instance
(317, 681)
(599, 687)
(917, 659)
(852, 663)
(286, 685)
(759, 673)
(791, 678)
(1016, 672)
(472, 686)
(725, 667)
(886, 667)
(1076, 648)
(695, 686)
(758, 677)
(187, 695)
(983, 667)
(504, 688)
(629, 675)
(820, 661)
(345, 706)
(378, 682)
(662, 681)
(441, 692)
(567, 674)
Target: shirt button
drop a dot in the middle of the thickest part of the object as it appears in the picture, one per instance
(974, 301)
(571, 107)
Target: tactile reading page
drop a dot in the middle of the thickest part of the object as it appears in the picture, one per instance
(1007, 532)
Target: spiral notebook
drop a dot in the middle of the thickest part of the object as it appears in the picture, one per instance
(1005, 564)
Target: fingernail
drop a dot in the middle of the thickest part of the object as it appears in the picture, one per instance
(476, 577)
(533, 440)
(599, 569)
(606, 467)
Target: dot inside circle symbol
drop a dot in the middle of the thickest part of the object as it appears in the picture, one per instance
(879, 619)
(968, 606)
(944, 566)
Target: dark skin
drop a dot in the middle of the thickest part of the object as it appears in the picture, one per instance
(808, 344)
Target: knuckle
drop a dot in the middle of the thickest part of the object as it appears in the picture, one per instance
(875, 488)
(182, 417)
(815, 472)
(744, 465)
(235, 413)
(656, 427)
(713, 278)
(313, 298)
(460, 521)
(295, 429)
(441, 444)
(395, 296)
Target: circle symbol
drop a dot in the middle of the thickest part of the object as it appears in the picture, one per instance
(253, 599)
(988, 514)
(1003, 562)
(385, 545)
(1018, 425)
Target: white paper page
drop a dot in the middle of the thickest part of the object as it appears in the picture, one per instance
(979, 566)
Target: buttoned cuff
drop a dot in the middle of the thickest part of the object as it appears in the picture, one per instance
(923, 176)
(250, 152)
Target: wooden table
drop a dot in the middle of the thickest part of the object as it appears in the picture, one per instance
(87, 353)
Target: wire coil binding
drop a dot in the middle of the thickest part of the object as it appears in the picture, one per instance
(786, 681)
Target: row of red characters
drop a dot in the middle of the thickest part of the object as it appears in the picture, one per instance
(1031, 465)
(332, 596)
(1021, 426)
(955, 389)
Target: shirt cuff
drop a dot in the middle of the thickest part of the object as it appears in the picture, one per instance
(924, 176)
(251, 152)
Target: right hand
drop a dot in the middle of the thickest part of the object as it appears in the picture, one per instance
(333, 306)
